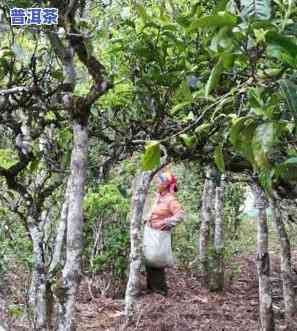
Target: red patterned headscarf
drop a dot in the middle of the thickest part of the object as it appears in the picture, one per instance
(168, 180)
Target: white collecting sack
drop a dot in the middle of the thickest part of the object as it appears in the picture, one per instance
(157, 248)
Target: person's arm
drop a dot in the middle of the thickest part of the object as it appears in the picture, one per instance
(177, 215)
(148, 216)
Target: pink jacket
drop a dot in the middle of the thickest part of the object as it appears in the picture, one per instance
(166, 209)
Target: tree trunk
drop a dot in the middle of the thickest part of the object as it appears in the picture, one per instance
(286, 266)
(61, 233)
(140, 191)
(37, 294)
(263, 263)
(207, 219)
(74, 239)
(218, 268)
(56, 264)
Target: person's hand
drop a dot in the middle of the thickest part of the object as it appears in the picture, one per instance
(166, 226)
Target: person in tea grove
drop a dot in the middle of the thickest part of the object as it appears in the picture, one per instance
(165, 214)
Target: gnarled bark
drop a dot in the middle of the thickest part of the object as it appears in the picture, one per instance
(61, 232)
(57, 260)
(263, 262)
(66, 293)
(286, 266)
(37, 294)
(140, 190)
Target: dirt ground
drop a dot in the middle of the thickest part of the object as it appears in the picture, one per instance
(188, 306)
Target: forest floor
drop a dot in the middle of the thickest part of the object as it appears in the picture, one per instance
(188, 306)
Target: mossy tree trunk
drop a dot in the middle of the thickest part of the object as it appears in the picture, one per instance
(140, 191)
(207, 221)
(263, 262)
(217, 283)
(74, 243)
(289, 292)
(37, 294)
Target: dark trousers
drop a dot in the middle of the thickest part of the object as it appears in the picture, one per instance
(156, 280)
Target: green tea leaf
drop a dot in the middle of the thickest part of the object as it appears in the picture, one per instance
(228, 59)
(8, 158)
(214, 77)
(241, 136)
(219, 158)
(202, 129)
(287, 44)
(289, 91)
(180, 106)
(287, 169)
(183, 93)
(263, 140)
(33, 165)
(152, 155)
(214, 21)
(188, 140)
(141, 11)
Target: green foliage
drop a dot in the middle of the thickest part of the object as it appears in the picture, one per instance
(180, 106)
(114, 258)
(184, 239)
(185, 236)
(287, 170)
(289, 91)
(107, 233)
(221, 19)
(263, 137)
(106, 200)
(214, 77)
(15, 248)
(21, 53)
(241, 132)
(119, 96)
(219, 158)
(238, 60)
(234, 197)
(183, 93)
(19, 3)
(287, 44)
(234, 238)
(7, 158)
(151, 158)
(15, 311)
(141, 11)
(188, 140)
(4, 67)
(3, 258)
